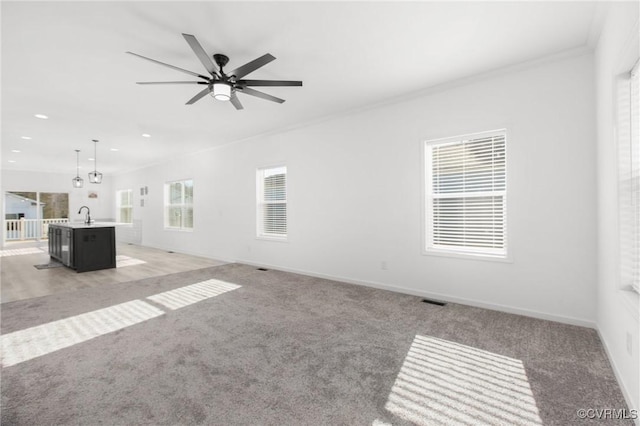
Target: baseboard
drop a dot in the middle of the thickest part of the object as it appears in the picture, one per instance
(630, 402)
(439, 296)
(187, 252)
(405, 290)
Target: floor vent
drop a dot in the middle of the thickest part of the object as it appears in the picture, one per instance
(170, 251)
(262, 269)
(434, 302)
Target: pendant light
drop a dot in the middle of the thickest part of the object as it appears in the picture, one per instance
(77, 181)
(95, 176)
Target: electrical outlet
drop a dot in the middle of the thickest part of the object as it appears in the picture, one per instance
(383, 265)
(629, 344)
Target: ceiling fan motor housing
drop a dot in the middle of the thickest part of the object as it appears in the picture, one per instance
(221, 59)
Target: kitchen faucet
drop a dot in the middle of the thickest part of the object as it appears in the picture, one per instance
(87, 219)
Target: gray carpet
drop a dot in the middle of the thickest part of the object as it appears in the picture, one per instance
(286, 349)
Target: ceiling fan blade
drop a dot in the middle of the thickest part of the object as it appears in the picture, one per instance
(172, 82)
(258, 94)
(252, 66)
(201, 54)
(236, 102)
(269, 83)
(170, 66)
(199, 96)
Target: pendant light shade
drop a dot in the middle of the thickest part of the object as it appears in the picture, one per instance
(77, 181)
(95, 176)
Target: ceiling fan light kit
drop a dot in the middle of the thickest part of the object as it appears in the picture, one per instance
(221, 91)
(220, 85)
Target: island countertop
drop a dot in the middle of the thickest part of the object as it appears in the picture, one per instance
(82, 225)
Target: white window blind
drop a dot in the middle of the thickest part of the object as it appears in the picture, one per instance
(179, 205)
(629, 178)
(635, 167)
(125, 206)
(272, 202)
(466, 194)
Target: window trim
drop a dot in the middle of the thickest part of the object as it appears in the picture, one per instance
(426, 208)
(627, 139)
(634, 86)
(166, 206)
(260, 200)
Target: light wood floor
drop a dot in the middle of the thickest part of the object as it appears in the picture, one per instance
(19, 279)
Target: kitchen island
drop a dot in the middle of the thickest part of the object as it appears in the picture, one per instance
(83, 247)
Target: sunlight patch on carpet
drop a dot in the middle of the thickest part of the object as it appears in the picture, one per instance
(122, 261)
(442, 382)
(36, 341)
(184, 296)
(21, 251)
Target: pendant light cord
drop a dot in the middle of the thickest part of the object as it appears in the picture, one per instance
(95, 156)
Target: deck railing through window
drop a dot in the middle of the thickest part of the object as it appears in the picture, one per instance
(29, 229)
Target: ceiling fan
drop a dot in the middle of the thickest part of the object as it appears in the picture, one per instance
(221, 85)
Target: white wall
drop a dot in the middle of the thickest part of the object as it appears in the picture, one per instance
(617, 310)
(355, 194)
(101, 207)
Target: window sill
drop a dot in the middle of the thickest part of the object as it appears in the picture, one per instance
(179, 229)
(467, 255)
(273, 238)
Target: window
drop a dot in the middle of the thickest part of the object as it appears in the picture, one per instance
(28, 214)
(629, 177)
(465, 196)
(124, 200)
(272, 202)
(179, 205)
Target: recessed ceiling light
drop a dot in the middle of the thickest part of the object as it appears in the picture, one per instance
(114, 149)
(15, 150)
(91, 159)
(12, 161)
(41, 116)
(25, 137)
(146, 135)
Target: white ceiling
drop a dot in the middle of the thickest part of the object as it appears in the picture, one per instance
(67, 60)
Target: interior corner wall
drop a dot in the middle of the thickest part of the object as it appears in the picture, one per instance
(617, 310)
(101, 206)
(355, 194)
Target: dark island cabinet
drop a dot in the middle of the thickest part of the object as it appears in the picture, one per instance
(83, 248)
